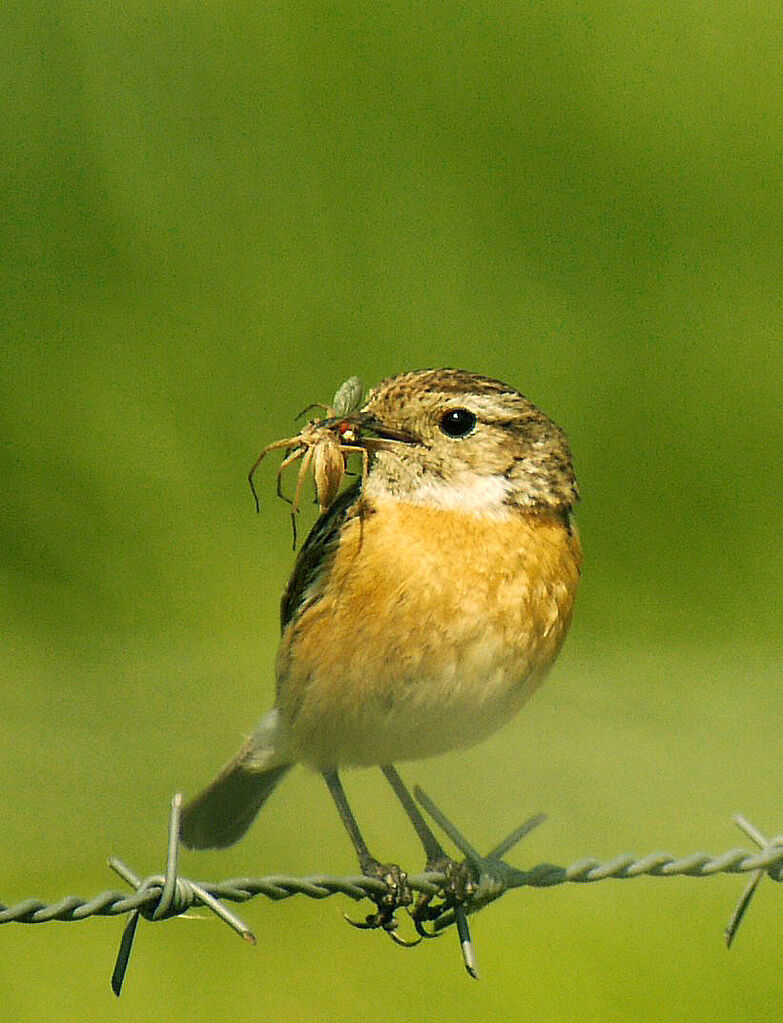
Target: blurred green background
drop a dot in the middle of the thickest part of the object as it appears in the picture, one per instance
(213, 214)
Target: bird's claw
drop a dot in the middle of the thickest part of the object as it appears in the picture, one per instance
(458, 888)
(398, 895)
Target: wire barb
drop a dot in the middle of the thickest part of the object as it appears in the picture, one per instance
(494, 877)
(164, 896)
(773, 869)
(172, 896)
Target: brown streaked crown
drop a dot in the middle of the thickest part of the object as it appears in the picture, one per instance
(513, 447)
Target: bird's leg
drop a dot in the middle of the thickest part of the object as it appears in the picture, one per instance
(433, 850)
(397, 891)
(460, 882)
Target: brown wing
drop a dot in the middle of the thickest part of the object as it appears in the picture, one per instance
(316, 552)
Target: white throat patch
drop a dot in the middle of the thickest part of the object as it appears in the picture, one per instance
(473, 494)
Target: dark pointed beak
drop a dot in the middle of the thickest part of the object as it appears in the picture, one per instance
(366, 421)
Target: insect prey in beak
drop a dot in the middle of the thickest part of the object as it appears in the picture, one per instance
(323, 445)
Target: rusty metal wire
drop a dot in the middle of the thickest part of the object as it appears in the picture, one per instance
(160, 897)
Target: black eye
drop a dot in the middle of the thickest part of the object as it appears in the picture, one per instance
(457, 422)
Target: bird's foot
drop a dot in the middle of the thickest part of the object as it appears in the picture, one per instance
(458, 888)
(397, 895)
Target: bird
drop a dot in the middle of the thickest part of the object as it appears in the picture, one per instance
(426, 605)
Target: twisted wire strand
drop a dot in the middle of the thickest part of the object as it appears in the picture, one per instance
(160, 897)
(282, 886)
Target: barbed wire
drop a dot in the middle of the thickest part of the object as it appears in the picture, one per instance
(163, 896)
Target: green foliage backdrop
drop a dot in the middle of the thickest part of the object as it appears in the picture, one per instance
(213, 214)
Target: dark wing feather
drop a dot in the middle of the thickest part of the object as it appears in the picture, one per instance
(319, 546)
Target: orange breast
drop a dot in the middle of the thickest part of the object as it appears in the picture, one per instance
(432, 628)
